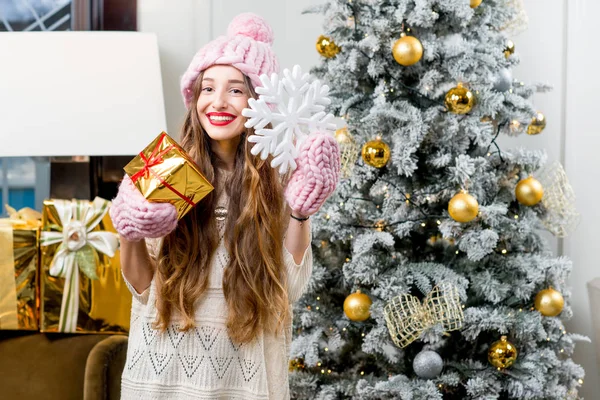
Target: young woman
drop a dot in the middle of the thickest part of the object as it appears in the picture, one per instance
(212, 292)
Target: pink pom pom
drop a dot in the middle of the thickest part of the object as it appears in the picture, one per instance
(251, 25)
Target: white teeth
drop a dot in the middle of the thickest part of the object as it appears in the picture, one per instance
(220, 118)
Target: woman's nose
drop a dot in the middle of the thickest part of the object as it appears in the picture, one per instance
(219, 101)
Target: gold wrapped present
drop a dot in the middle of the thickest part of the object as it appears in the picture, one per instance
(19, 236)
(82, 289)
(163, 172)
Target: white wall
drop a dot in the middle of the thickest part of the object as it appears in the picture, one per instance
(556, 30)
(582, 163)
(181, 27)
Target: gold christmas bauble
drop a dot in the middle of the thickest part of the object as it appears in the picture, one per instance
(327, 47)
(376, 153)
(356, 306)
(502, 354)
(509, 49)
(475, 3)
(537, 125)
(549, 302)
(459, 100)
(529, 191)
(407, 50)
(463, 207)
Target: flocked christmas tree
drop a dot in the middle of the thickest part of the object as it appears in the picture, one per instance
(431, 279)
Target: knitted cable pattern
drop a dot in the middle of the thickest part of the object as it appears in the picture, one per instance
(136, 218)
(316, 176)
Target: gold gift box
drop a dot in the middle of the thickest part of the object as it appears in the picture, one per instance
(102, 298)
(18, 275)
(163, 172)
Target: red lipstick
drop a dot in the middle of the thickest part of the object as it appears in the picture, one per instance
(222, 121)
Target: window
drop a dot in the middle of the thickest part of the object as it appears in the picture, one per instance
(64, 15)
(23, 182)
(36, 15)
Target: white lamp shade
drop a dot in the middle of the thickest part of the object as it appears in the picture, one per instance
(79, 93)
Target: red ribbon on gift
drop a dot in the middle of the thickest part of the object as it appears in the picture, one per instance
(156, 158)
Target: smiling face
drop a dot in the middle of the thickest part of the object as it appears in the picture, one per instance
(223, 96)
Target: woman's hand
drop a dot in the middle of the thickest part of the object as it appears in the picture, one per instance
(316, 176)
(136, 218)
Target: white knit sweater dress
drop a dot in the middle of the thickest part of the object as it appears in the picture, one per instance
(204, 363)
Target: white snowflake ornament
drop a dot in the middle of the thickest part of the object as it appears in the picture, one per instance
(294, 108)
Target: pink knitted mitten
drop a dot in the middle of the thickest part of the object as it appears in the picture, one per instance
(316, 176)
(136, 218)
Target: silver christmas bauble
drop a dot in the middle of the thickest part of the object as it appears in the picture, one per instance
(503, 80)
(428, 364)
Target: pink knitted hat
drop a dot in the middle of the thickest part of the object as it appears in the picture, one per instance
(247, 47)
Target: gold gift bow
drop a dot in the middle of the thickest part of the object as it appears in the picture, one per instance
(407, 318)
(25, 218)
(76, 251)
(25, 215)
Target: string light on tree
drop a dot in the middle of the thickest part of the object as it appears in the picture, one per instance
(463, 207)
(537, 124)
(515, 126)
(327, 47)
(459, 100)
(407, 50)
(357, 306)
(502, 354)
(376, 153)
(529, 191)
(549, 302)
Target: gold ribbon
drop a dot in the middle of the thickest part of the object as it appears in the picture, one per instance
(407, 317)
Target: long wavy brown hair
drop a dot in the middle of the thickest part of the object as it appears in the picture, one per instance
(254, 281)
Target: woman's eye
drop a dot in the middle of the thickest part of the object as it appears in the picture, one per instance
(207, 89)
(237, 91)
